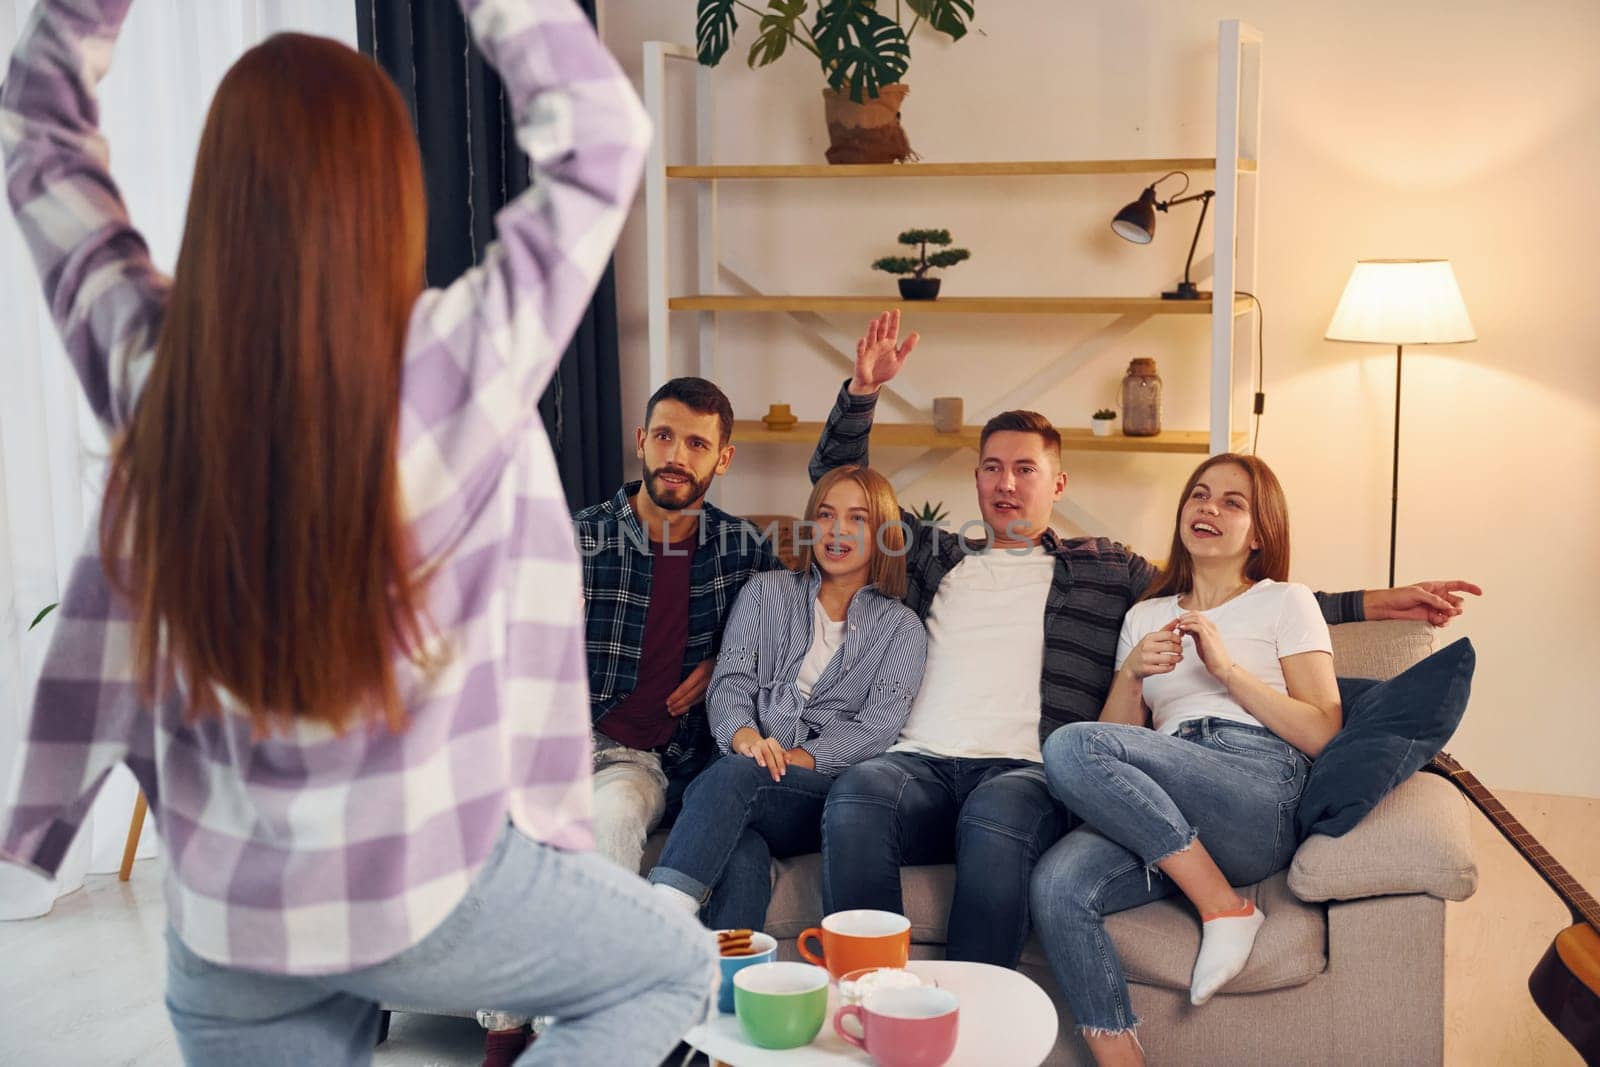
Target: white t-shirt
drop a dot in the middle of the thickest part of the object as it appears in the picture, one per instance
(826, 637)
(1260, 626)
(980, 690)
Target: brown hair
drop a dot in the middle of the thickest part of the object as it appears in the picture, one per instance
(699, 396)
(888, 568)
(1021, 421)
(1269, 523)
(254, 501)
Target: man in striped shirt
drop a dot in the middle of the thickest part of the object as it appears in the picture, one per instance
(965, 781)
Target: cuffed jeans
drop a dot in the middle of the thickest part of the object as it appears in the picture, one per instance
(993, 817)
(735, 821)
(1144, 796)
(540, 932)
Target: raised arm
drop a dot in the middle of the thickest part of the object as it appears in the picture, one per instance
(105, 295)
(845, 742)
(480, 352)
(879, 356)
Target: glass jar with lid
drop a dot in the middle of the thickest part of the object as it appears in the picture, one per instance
(1141, 399)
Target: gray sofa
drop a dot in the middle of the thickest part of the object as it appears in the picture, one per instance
(1348, 969)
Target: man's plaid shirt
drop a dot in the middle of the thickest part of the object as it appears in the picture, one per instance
(616, 588)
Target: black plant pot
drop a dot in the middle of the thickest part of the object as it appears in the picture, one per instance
(919, 288)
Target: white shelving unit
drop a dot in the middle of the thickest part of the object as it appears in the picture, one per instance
(1233, 244)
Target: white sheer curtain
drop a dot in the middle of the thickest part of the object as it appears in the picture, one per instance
(169, 59)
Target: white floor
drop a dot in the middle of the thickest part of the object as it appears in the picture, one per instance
(82, 985)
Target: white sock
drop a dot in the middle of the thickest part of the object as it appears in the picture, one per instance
(1225, 944)
(677, 897)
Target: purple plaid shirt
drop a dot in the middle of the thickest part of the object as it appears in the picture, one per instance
(308, 852)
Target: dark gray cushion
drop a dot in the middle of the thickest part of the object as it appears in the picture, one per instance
(1391, 730)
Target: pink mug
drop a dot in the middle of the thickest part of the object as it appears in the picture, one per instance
(904, 1027)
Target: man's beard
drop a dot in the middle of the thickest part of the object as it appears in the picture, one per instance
(673, 497)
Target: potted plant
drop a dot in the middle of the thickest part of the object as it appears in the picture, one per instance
(1101, 421)
(863, 54)
(931, 514)
(918, 287)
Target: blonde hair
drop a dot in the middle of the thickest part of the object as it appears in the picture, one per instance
(888, 568)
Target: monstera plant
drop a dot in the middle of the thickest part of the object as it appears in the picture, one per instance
(863, 53)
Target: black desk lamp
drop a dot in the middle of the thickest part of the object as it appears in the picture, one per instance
(1137, 223)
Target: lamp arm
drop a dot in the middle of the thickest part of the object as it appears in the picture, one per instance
(1205, 204)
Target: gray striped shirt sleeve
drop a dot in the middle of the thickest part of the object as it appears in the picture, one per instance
(731, 697)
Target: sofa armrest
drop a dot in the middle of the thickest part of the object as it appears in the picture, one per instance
(1379, 649)
(1415, 841)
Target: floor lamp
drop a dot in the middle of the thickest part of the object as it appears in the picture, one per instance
(1400, 302)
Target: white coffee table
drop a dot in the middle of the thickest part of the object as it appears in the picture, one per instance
(1005, 1018)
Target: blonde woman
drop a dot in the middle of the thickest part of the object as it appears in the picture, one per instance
(817, 672)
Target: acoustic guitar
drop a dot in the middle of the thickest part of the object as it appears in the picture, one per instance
(1566, 983)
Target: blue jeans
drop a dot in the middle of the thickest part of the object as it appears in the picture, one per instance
(1145, 796)
(540, 932)
(735, 821)
(994, 817)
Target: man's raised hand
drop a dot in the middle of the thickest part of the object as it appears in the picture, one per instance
(880, 354)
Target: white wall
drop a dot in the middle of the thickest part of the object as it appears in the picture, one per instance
(1459, 130)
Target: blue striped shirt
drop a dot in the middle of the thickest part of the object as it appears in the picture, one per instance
(859, 702)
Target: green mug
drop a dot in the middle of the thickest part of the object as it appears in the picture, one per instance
(781, 1005)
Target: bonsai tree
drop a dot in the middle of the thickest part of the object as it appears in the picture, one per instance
(920, 266)
(859, 48)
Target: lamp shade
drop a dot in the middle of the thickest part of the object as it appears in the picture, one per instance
(1401, 302)
(1137, 221)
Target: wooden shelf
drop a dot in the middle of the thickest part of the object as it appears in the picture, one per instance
(958, 305)
(914, 435)
(1035, 169)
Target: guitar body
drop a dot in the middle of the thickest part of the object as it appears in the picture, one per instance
(1566, 983)
(1566, 986)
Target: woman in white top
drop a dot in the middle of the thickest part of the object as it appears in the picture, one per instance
(1189, 782)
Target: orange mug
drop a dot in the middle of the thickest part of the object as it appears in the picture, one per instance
(853, 940)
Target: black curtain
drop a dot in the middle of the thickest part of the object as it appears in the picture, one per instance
(472, 167)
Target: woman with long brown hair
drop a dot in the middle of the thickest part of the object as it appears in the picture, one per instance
(332, 619)
(1224, 693)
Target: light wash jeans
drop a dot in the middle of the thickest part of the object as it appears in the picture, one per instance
(630, 796)
(1145, 796)
(540, 932)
